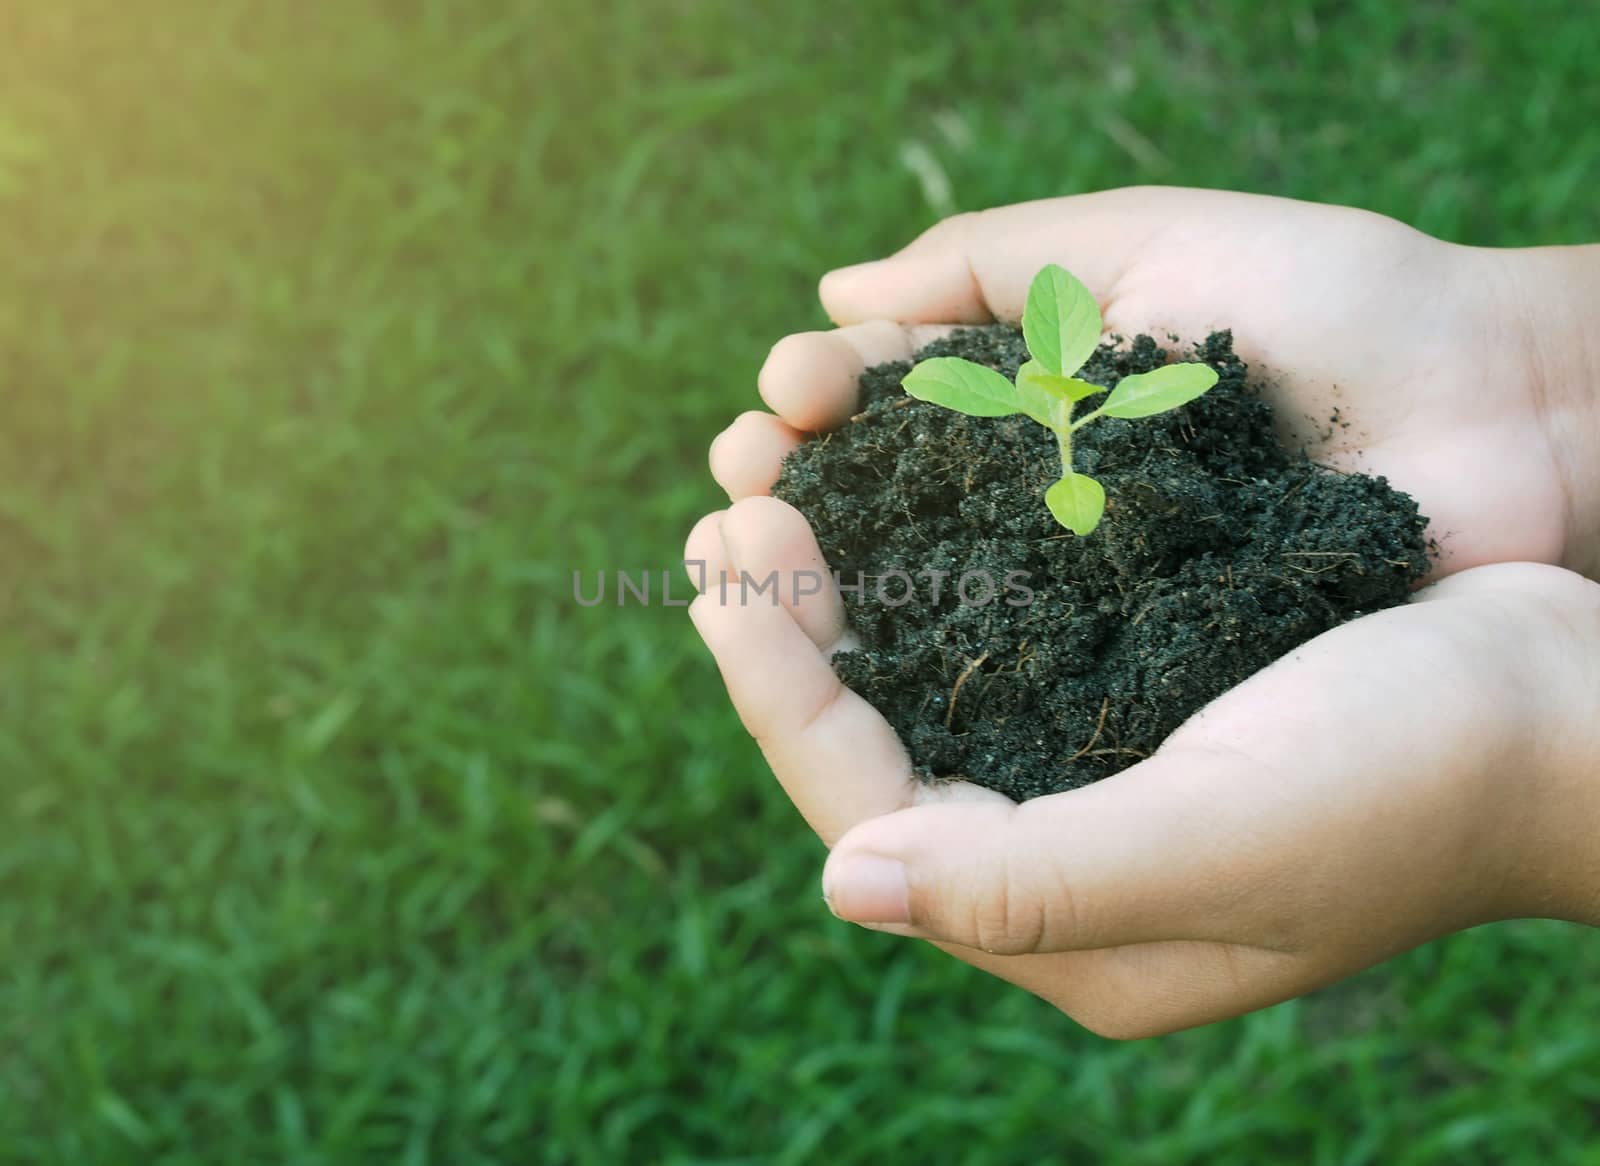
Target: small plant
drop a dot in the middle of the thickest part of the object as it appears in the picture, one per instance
(1061, 324)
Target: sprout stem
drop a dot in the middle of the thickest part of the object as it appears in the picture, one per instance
(1064, 442)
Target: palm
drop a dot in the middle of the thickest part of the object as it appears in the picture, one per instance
(1339, 311)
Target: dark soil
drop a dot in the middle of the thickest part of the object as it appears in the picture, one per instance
(1219, 552)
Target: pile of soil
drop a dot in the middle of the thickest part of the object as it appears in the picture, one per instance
(1219, 552)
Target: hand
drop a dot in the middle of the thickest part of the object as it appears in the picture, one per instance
(1461, 371)
(1412, 773)
(1244, 863)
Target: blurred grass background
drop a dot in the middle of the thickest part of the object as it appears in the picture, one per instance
(334, 337)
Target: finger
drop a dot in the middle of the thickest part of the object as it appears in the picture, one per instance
(1145, 989)
(703, 557)
(774, 542)
(977, 267)
(1131, 860)
(747, 455)
(811, 379)
(836, 757)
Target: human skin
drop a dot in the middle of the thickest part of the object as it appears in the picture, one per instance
(1412, 773)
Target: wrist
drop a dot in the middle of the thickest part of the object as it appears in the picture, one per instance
(1550, 296)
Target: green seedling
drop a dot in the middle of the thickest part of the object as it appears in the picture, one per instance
(1061, 324)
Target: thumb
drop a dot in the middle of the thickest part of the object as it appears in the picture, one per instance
(932, 280)
(1153, 854)
(976, 267)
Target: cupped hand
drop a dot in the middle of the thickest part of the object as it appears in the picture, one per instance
(1411, 773)
(1425, 350)
(1403, 776)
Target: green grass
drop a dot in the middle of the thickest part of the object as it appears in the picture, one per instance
(334, 337)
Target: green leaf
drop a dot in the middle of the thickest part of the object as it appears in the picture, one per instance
(963, 386)
(1043, 397)
(1061, 321)
(1077, 501)
(1148, 393)
(1067, 388)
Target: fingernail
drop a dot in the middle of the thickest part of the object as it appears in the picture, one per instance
(869, 889)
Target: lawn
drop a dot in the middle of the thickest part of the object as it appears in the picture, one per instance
(335, 336)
